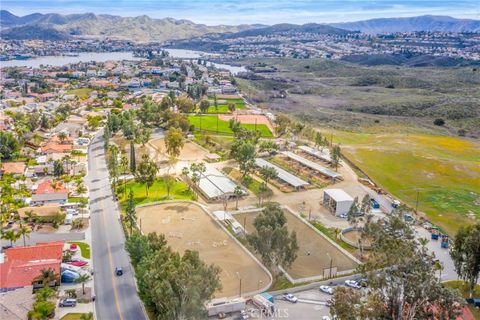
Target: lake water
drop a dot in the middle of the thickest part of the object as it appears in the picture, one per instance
(58, 61)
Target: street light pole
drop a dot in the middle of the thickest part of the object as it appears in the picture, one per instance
(331, 263)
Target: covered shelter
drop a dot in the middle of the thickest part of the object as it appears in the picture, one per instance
(322, 155)
(337, 201)
(314, 166)
(214, 185)
(283, 175)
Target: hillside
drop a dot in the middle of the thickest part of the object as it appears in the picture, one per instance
(421, 23)
(286, 28)
(141, 28)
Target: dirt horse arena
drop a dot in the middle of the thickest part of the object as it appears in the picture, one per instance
(189, 153)
(312, 259)
(187, 226)
(248, 118)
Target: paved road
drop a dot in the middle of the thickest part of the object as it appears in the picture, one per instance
(117, 297)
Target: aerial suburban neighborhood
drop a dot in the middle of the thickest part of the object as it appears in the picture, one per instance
(249, 172)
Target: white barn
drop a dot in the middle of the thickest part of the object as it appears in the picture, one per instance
(337, 201)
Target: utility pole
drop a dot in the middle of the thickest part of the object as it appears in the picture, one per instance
(245, 224)
(240, 293)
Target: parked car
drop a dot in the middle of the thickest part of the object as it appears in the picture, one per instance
(396, 203)
(118, 271)
(375, 204)
(363, 282)
(352, 284)
(290, 297)
(68, 303)
(326, 289)
(343, 216)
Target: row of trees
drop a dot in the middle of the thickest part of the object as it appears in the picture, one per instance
(172, 286)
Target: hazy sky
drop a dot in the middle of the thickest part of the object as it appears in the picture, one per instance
(213, 12)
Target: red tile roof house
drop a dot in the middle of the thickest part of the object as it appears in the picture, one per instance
(21, 265)
(53, 147)
(15, 168)
(47, 193)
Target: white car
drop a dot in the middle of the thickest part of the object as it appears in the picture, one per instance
(352, 284)
(326, 289)
(290, 297)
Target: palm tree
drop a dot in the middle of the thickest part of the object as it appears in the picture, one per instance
(46, 277)
(83, 278)
(24, 231)
(11, 236)
(62, 136)
(238, 192)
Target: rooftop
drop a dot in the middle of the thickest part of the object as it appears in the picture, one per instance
(338, 195)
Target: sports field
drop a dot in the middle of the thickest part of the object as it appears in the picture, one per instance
(313, 257)
(215, 124)
(187, 226)
(444, 170)
(222, 105)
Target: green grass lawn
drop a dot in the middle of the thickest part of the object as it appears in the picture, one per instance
(444, 170)
(223, 105)
(460, 285)
(209, 122)
(84, 248)
(82, 93)
(157, 192)
(75, 199)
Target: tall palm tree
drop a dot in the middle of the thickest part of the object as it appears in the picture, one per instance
(10, 235)
(46, 277)
(24, 231)
(83, 278)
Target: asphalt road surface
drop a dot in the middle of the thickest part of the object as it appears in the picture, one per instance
(117, 297)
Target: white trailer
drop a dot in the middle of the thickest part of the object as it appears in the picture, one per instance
(223, 305)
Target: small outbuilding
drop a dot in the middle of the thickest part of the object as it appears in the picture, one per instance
(337, 201)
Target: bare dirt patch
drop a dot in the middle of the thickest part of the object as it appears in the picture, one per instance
(312, 257)
(187, 226)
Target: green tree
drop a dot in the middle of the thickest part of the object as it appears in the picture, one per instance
(24, 232)
(185, 104)
(58, 169)
(62, 136)
(268, 146)
(318, 139)
(10, 235)
(113, 163)
(237, 192)
(204, 105)
(243, 151)
(9, 145)
(231, 107)
(268, 173)
(46, 277)
(335, 156)
(131, 215)
(83, 279)
(174, 141)
(41, 310)
(133, 160)
(402, 277)
(271, 239)
(146, 172)
(466, 254)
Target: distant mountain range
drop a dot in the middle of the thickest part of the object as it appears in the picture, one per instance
(422, 23)
(54, 26)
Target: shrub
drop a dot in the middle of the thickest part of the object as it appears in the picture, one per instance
(439, 122)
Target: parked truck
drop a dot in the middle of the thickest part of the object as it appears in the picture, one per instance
(266, 306)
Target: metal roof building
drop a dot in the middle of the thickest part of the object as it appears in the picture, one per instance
(337, 201)
(213, 184)
(312, 165)
(316, 153)
(282, 174)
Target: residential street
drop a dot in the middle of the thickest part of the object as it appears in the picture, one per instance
(117, 297)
